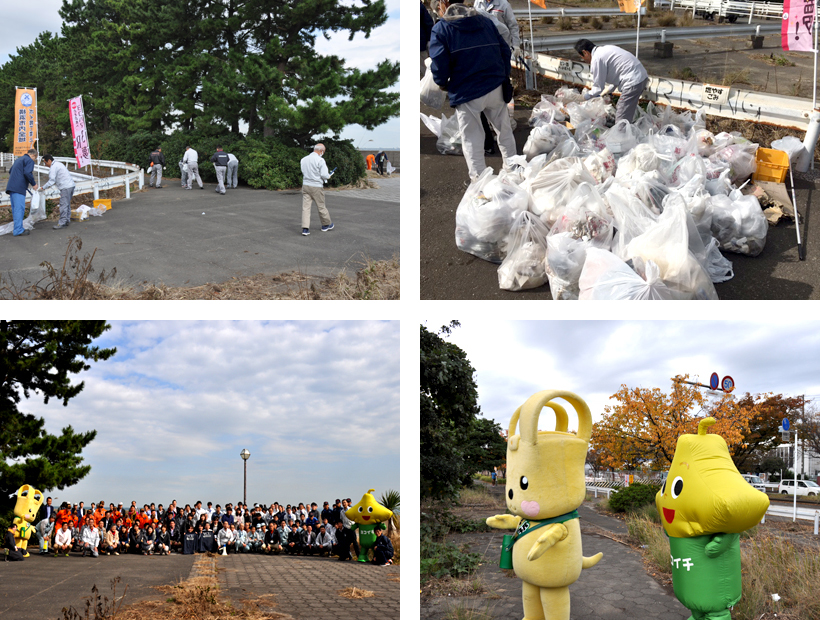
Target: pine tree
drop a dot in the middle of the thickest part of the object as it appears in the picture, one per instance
(40, 356)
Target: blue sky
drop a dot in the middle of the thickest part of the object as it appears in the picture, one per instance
(360, 52)
(316, 403)
(515, 359)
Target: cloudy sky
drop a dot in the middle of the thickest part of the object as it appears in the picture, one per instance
(514, 360)
(383, 44)
(316, 403)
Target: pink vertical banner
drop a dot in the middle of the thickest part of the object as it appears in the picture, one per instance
(798, 24)
(81, 149)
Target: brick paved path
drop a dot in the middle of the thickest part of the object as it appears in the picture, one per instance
(307, 587)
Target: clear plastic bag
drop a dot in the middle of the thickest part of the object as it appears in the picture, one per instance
(431, 94)
(601, 165)
(449, 141)
(632, 217)
(586, 217)
(554, 185)
(544, 138)
(569, 95)
(741, 159)
(605, 276)
(485, 214)
(643, 157)
(738, 223)
(790, 145)
(546, 111)
(37, 213)
(565, 261)
(526, 246)
(622, 138)
(650, 188)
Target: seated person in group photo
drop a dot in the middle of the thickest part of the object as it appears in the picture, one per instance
(14, 553)
(63, 540)
(383, 549)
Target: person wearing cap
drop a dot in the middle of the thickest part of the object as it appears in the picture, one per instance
(191, 159)
(59, 175)
(611, 64)
(20, 177)
(220, 162)
(157, 160)
(471, 61)
(314, 176)
(383, 549)
(327, 512)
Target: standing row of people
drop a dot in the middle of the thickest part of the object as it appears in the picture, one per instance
(226, 166)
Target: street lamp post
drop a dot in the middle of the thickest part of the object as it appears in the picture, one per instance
(245, 456)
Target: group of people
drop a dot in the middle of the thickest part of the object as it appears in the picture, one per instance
(154, 530)
(471, 48)
(226, 166)
(380, 160)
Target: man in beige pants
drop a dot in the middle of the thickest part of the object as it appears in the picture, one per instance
(314, 175)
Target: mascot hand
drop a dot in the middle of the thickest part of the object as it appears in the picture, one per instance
(717, 546)
(504, 522)
(554, 534)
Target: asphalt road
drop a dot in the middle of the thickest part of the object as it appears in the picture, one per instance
(448, 273)
(189, 238)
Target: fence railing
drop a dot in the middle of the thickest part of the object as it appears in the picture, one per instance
(84, 183)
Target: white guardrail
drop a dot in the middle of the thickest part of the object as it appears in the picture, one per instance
(84, 183)
(727, 8)
(739, 104)
(806, 514)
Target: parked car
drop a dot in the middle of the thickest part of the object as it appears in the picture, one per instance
(755, 481)
(804, 487)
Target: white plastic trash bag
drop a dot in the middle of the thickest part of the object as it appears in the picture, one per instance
(622, 137)
(547, 110)
(643, 158)
(600, 165)
(431, 94)
(526, 247)
(37, 213)
(449, 142)
(790, 145)
(565, 260)
(485, 215)
(741, 159)
(544, 138)
(605, 276)
(553, 186)
(738, 223)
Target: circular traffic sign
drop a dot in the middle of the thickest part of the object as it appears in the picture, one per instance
(785, 424)
(728, 384)
(714, 381)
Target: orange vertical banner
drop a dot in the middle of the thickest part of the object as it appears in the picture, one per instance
(541, 3)
(25, 120)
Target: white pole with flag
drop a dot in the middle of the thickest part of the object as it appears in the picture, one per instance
(78, 131)
(532, 48)
(638, 36)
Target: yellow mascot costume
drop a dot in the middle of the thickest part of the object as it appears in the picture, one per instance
(28, 504)
(545, 486)
(366, 514)
(705, 504)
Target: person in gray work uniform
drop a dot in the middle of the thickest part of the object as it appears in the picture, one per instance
(220, 162)
(58, 175)
(191, 158)
(233, 172)
(158, 161)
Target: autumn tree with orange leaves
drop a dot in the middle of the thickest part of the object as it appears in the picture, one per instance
(642, 428)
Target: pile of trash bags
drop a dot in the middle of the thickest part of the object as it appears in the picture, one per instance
(609, 210)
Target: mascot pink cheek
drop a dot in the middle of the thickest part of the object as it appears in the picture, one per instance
(531, 509)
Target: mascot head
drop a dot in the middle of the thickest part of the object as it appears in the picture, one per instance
(29, 501)
(368, 511)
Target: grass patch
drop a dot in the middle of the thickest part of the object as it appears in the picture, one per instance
(445, 559)
(606, 18)
(565, 23)
(686, 20)
(667, 19)
(450, 586)
(585, 19)
(596, 23)
(356, 593)
(652, 539)
(479, 495)
(547, 20)
(684, 74)
(736, 76)
(461, 611)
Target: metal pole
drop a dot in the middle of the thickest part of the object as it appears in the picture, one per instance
(794, 517)
(638, 33)
(532, 49)
(245, 491)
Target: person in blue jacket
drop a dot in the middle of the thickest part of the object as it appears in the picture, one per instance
(20, 177)
(471, 60)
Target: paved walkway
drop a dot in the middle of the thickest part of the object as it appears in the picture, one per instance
(189, 238)
(617, 588)
(40, 586)
(307, 587)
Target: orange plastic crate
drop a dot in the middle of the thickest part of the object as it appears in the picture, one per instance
(772, 165)
(103, 202)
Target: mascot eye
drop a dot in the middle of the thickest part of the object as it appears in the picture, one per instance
(524, 483)
(24, 494)
(677, 487)
(36, 498)
(370, 509)
(663, 487)
(360, 509)
(510, 494)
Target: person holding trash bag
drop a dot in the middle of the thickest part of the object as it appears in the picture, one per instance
(233, 172)
(314, 176)
(220, 162)
(157, 162)
(58, 175)
(471, 60)
(191, 158)
(612, 65)
(20, 177)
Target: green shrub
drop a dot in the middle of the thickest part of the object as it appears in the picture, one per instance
(443, 559)
(633, 497)
(565, 23)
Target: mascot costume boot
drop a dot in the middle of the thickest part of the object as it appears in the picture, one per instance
(545, 486)
(366, 514)
(705, 504)
(28, 504)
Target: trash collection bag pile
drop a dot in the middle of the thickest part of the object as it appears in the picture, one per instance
(606, 210)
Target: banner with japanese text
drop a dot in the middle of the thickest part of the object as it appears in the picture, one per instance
(798, 23)
(630, 6)
(81, 150)
(541, 3)
(25, 120)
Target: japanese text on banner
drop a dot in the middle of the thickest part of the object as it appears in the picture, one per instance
(25, 118)
(81, 150)
(798, 24)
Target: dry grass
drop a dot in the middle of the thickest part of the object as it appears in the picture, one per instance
(356, 593)
(644, 531)
(197, 598)
(73, 280)
(450, 586)
(667, 19)
(596, 23)
(564, 23)
(736, 76)
(479, 496)
(686, 20)
(462, 611)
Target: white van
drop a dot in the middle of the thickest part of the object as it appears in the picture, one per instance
(755, 481)
(804, 487)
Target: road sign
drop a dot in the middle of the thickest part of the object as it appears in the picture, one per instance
(785, 436)
(785, 424)
(728, 384)
(714, 381)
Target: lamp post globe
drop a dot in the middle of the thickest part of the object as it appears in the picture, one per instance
(245, 454)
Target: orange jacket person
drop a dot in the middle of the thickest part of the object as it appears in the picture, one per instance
(371, 159)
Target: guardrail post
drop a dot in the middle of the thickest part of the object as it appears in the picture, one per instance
(751, 12)
(809, 142)
(763, 520)
(142, 178)
(127, 187)
(816, 521)
(96, 192)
